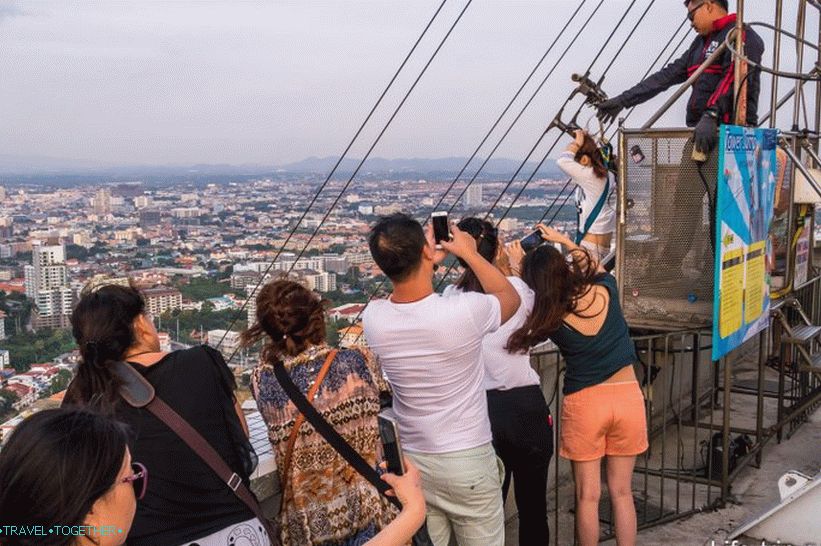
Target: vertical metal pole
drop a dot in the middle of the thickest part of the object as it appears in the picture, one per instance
(799, 63)
(818, 88)
(725, 431)
(776, 59)
(741, 110)
(694, 394)
(781, 371)
(763, 339)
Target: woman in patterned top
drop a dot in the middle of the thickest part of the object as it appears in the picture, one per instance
(324, 500)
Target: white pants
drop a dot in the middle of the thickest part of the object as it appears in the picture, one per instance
(246, 533)
(463, 491)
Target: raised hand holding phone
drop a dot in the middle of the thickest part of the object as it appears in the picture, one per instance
(461, 244)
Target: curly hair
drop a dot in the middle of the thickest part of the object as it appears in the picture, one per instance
(290, 316)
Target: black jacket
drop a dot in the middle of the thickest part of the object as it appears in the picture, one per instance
(714, 88)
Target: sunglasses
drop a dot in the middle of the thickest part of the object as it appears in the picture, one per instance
(691, 14)
(139, 479)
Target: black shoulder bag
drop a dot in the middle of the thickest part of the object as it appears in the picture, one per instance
(421, 538)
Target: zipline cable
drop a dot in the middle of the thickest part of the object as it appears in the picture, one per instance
(333, 170)
(629, 113)
(515, 96)
(510, 127)
(524, 162)
(368, 153)
(544, 158)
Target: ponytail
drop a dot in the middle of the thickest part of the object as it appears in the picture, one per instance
(103, 327)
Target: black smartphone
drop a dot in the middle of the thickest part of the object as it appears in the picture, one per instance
(440, 227)
(389, 433)
(532, 241)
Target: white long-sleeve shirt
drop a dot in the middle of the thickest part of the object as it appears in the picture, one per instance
(589, 188)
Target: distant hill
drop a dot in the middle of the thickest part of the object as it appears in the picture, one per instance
(32, 168)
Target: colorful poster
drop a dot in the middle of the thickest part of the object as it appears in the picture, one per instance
(802, 254)
(747, 168)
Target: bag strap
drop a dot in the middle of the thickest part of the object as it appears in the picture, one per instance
(330, 434)
(286, 465)
(595, 212)
(194, 440)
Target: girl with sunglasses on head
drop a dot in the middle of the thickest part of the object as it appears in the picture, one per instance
(69, 468)
(583, 162)
(603, 413)
(187, 502)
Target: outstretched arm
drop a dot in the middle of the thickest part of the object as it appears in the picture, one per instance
(552, 235)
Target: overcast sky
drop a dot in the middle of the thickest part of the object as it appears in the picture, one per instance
(274, 82)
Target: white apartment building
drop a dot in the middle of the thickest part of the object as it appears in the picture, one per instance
(55, 302)
(473, 197)
(230, 341)
(161, 299)
(320, 281)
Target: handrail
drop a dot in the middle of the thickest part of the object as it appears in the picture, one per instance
(686, 85)
(799, 165)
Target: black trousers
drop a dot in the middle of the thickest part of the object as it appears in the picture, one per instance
(523, 439)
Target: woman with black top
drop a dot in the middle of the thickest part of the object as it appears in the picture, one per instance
(603, 413)
(186, 502)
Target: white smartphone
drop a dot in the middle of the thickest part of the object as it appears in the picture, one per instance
(440, 227)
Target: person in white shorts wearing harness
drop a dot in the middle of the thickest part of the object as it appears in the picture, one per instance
(583, 162)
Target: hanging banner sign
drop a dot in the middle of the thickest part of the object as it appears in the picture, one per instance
(747, 168)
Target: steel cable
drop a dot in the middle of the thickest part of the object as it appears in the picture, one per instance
(362, 161)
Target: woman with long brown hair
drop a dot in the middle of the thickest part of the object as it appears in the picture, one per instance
(583, 162)
(324, 500)
(603, 414)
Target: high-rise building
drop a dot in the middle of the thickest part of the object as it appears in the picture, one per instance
(474, 196)
(161, 299)
(46, 282)
(101, 203)
(2, 329)
(56, 302)
(2, 193)
(47, 270)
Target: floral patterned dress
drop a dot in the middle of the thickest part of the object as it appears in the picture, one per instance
(325, 500)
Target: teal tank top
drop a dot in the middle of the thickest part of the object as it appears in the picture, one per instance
(590, 360)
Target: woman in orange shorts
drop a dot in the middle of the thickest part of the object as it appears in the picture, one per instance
(603, 415)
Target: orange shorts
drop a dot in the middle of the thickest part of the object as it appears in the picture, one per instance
(605, 419)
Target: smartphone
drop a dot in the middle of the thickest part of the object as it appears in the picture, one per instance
(440, 227)
(532, 241)
(389, 433)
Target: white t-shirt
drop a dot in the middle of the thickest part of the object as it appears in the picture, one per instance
(588, 191)
(431, 352)
(505, 371)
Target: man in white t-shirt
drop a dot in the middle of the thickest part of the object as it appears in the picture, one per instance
(430, 348)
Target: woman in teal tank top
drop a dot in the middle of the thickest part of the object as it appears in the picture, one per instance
(603, 412)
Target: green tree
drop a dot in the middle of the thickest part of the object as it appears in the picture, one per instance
(7, 401)
(60, 382)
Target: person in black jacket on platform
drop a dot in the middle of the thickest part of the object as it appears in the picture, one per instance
(711, 103)
(711, 100)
